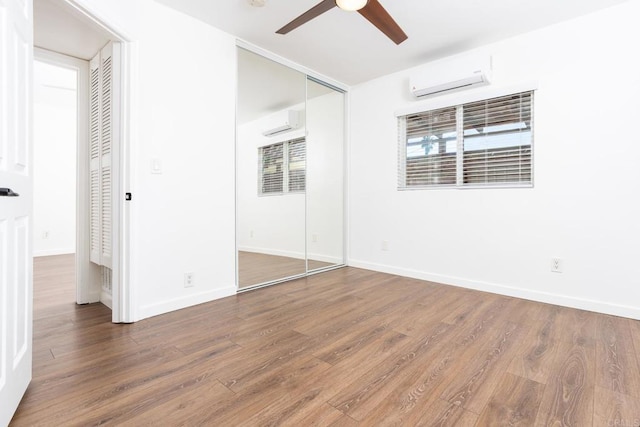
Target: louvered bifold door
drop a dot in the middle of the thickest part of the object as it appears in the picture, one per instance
(94, 158)
(106, 148)
(102, 136)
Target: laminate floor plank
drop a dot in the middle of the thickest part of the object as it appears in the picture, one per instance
(349, 370)
(515, 403)
(346, 347)
(535, 359)
(616, 362)
(445, 414)
(615, 409)
(569, 393)
(321, 415)
(475, 383)
(186, 409)
(405, 402)
(367, 389)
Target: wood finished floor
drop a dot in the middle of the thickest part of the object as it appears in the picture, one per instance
(255, 268)
(344, 348)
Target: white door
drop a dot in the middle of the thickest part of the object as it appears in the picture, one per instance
(16, 260)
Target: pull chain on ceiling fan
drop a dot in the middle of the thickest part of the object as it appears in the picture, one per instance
(372, 10)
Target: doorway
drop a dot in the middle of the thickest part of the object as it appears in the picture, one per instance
(55, 140)
(68, 36)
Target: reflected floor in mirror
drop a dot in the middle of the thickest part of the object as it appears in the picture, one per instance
(255, 268)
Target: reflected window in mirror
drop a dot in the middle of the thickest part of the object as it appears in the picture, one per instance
(282, 168)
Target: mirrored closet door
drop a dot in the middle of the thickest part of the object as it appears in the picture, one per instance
(325, 176)
(289, 173)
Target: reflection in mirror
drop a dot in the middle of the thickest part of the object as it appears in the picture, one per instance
(271, 171)
(325, 172)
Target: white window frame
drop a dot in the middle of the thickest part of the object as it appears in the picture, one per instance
(459, 129)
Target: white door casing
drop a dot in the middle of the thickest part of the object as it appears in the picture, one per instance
(16, 260)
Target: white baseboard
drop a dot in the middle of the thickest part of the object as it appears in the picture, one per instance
(289, 254)
(556, 299)
(51, 252)
(326, 258)
(184, 302)
(270, 251)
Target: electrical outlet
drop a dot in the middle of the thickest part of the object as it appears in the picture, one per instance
(251, 234)
(556, 265)
(384, 245)
(188, 280)
(45, 234)
(314, 238)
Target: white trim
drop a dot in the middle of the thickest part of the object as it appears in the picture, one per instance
(164, 307)
(54, 252)
(546, 297)
(325, 258)
(293, 65)
(269, 251)
(99, 18)
(466, 97)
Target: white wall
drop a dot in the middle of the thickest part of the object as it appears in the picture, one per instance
(272, 224)
(325, 183)
(54, 141)
(584, 207)
(276, 224)
(184, 116)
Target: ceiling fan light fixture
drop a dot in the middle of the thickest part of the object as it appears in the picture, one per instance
(351, 5)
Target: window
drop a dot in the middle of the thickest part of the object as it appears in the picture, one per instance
(482, 143)
(282, 167)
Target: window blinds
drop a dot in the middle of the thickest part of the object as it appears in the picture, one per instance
(497, 140)
(282, 167)
(272, 162)
(431, 148)
(488, 142)
(297, 165)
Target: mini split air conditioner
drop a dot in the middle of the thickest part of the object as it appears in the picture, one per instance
(283, 122)
(447, 76)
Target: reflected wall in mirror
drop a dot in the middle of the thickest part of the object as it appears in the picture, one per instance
(289, 173)
(270, 171)
(325, 172)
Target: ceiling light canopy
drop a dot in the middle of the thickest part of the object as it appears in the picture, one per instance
(351, 5)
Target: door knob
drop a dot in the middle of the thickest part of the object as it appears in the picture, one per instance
(7, 192)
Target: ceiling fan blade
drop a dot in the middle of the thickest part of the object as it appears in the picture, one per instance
(378, 16)
(316, 10)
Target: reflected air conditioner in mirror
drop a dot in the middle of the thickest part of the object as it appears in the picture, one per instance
(442, 77)
(283, 122)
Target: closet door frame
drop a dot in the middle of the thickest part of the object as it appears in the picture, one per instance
(340, 87)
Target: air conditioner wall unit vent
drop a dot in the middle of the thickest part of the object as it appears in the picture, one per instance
(445, 76)
(283, 122)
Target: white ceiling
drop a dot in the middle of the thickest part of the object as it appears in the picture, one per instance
(346, 47)
(60, 28)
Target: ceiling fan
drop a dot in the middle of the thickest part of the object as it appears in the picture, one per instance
(372, 10)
